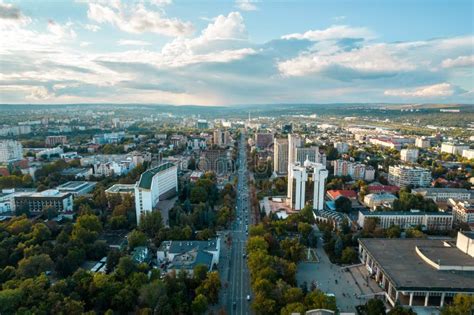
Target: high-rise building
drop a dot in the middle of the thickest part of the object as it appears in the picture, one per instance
(403, 176)
(280, 156)
(263, 140)
(221, 137)
(214, 160)
(409, 155)
(154, 185)
(354, 170)
(10, 150)
(422, 142)
(312, 154)
(297, 178)
(52, 141)
(294, 141)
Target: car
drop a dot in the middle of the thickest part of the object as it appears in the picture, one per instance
(248, 297)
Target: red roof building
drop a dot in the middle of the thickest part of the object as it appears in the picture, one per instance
(335, 194)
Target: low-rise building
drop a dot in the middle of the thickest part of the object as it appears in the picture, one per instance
(453, 148)
(463, 212)
(468, 154)
(121, 189)
(381, 199)
(77, 173)
(443, 194)
(185, 255)
(39, 201)
(422, 142)
(77, 188)
(52, 141)
(432, 221)
(420, 272)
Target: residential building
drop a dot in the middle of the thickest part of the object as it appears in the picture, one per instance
(52, 141)
(341, 147)
(38, 201)
(154, 185)
(463, 212)
(197, 143)
(185, 255)
(108, 138)
(352, 169)
(403, 176)
(78, 173)
(422, 142)
(453, 148)
(280, 156)
(311, 154)
(47, 153)
(382, 199)
(409, 155)
(433, 221)
(420, 272)
(369, 174)
(263, 140)
(443, 194)
(216, 161)
(221, 137)
(77, 188)
(468, 153)
(386, 142)
(202, 124)
(10, 150)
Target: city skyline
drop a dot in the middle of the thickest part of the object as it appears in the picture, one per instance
(243, 52)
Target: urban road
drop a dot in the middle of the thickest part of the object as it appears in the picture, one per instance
(239, 297)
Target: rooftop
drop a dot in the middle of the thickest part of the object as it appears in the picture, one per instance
(147, 177)
(121, 188)
(407, 270)
(74, 185)
(406, 213)
(186, 246)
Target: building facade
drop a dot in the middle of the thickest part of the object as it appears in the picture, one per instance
(10, 150)
(52, 141)
(280, 156)
(432, 221)
(154, 185)
(409, 155)
(403, 176)
(38, 201)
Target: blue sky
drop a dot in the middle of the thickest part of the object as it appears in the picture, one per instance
(236, 52)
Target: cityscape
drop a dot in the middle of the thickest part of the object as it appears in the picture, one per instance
(157, 160)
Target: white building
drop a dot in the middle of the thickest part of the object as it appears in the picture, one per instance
(381, 199)
(403, 176)
(155, 184)
(10, 150)
(468, 153)
(409, 155)
(49, 152)
(452, 148)
(443, 194)
(352, 169)
(463, 212)
(422, 142)
(433, 221)
(297, 179)
(369, 173)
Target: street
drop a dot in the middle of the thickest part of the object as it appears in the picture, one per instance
(239, 282)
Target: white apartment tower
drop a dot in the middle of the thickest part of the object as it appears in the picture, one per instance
(409, 155)
(294, 141)
(297, 186)
(10, 150)
(403, 176)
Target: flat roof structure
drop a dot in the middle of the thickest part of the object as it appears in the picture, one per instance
(121, 189)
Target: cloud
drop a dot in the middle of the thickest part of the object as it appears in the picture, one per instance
(246, 5)
(138, 19)
(430, 91)
(61, 31)
(92, 27)
(161, 3)
(11, 16)
(332, 33)
(39, 93)
(85, 44)
(375, 58)
(461, 61)
(129, 42)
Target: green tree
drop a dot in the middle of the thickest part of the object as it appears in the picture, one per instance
(10, 300)
(136, 238)
(34, 265)
(199, 304)
(399, 310)
(349, 255)
(151, 223)
(343, 204)
(462, 305)
(375, 307)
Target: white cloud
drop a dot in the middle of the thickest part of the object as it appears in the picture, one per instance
(92, 27)
(246, 5)
(138, 19)
(461, 61)
(129, 42)
(12, 17)
(61, 31)
(333, 32)
(429, 91)
(85, 44)
(375, 58)
(39, 93)
(161, 3)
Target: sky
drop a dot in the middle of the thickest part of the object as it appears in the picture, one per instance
(230, 52)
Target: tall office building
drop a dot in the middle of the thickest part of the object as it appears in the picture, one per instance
(263, 140)
(319, 174)
(280, 156)
(312, 154)
(10, 150)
